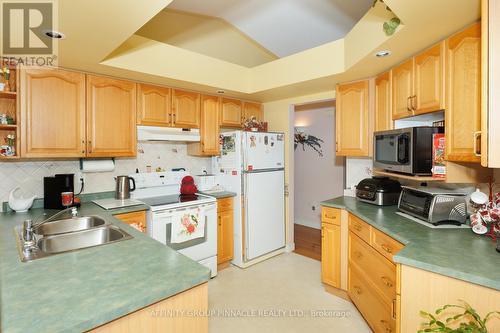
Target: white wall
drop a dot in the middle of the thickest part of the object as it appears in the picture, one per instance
(357, 169)
(316, 178)
(29, 174)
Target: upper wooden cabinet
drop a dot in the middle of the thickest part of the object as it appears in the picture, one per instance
(52, 113)
(383, 102)
(402, 90)
(251, 109)
(185, 109)
(111, 117)
(153, 105)
(353, 128)
(428, 95)
(209, 130)
(231, 112)
(463, 101)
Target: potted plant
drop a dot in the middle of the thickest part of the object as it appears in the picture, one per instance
(6, 78)
(469, 321)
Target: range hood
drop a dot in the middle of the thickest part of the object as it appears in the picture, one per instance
(157, 133)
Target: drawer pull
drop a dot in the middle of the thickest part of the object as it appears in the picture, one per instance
(386, 281)
(357, 227)
(357, 290)
(386, 248)
(386, 326)
(330, 217)
(394, 309)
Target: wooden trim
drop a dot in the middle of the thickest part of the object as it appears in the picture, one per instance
(307, 241)
(337, 292)
(484, 80)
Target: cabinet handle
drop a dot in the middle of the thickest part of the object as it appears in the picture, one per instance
(477, 152)
(414, 98)
(330, 217)
(386, 248)
(90, 147)
(408, 103)
(386, 281)
(357, 227)
(394, 309)
(357, 290)
(386, 326)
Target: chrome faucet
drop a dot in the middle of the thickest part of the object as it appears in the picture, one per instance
(29, 226)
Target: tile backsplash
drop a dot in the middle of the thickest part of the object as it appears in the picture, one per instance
(29, 174)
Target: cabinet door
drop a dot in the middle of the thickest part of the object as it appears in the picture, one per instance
(253, 110)
(185, 109)
(52, 113)
(111, 117)
(224, 236)
(352, 123)
(463, 102)
(231, 112)
(402, 90)
(383, 103)
(153, 105)
(428, 95)
(330, 254)
(210, 128)
(135, 219)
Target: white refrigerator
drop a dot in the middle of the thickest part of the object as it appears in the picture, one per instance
(251, 164)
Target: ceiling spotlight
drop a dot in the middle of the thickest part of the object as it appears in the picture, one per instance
(221, 92)
(384, 53)
(54, 34)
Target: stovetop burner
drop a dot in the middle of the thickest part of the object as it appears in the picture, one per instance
(169, 199)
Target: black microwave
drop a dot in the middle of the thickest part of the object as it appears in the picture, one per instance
(405, 150)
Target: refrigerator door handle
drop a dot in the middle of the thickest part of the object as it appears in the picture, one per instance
(263, 170)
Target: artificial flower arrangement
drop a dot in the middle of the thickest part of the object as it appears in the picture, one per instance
(308, 140)
(253, 125)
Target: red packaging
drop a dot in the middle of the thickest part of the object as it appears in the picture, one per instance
(438, 162)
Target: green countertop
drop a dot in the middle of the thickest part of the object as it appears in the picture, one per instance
(76, 291)
(220, 195)
(458, 253)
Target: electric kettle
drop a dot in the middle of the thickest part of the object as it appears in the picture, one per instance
(123, 188)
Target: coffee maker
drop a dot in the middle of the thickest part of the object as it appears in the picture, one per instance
(54, 186)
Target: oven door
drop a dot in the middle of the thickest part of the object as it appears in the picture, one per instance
(393, 150)
(197, 248)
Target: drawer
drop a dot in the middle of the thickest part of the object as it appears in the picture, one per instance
(375, 267)
(330, 215)
(384, 244)
(224, 204)
(360, 228)
(377, 313)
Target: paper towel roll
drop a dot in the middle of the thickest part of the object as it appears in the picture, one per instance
(97, 165)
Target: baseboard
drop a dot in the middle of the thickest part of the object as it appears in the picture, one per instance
(337, 292)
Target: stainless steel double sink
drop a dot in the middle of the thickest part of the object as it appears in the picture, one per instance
(66, 235)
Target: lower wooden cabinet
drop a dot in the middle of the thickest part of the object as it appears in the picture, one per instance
(134, 219)
(330, 246)
(225, 238)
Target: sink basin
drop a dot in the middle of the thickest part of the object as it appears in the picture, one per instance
(81, 239)
(69, 225)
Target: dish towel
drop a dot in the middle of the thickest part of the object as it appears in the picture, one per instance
(188, 225)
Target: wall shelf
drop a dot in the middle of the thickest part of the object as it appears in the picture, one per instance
(8, 127)
(408, 177)
(8, 94)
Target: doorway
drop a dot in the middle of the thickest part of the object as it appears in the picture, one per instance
(318, 173)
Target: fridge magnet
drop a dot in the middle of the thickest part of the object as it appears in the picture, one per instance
(228, 145)
(252, 141)
(280, 137)
(266, 140)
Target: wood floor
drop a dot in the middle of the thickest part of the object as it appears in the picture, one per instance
(307, 241)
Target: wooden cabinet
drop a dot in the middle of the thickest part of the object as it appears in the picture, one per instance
(135, 219)
(490, 82)
(185, 109)
(231, 112)
(111, 117)
(463, 102)
(428, 95)
(330, 246)
(383, 102)
(251, 109)
(225, 237)
(52, 113)
(153, 105)
(373, 280)
(353, 128)
(209, 129)
(402, 90)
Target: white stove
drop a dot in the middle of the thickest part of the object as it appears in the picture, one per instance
(187, 224)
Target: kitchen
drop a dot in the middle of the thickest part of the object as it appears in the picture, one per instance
(160, 124)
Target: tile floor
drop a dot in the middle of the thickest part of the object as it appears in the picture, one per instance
(289, 283)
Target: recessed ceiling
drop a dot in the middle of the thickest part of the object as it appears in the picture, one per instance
(284, 27)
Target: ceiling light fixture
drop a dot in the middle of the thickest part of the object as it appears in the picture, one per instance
(54, 34)
(384, 53)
